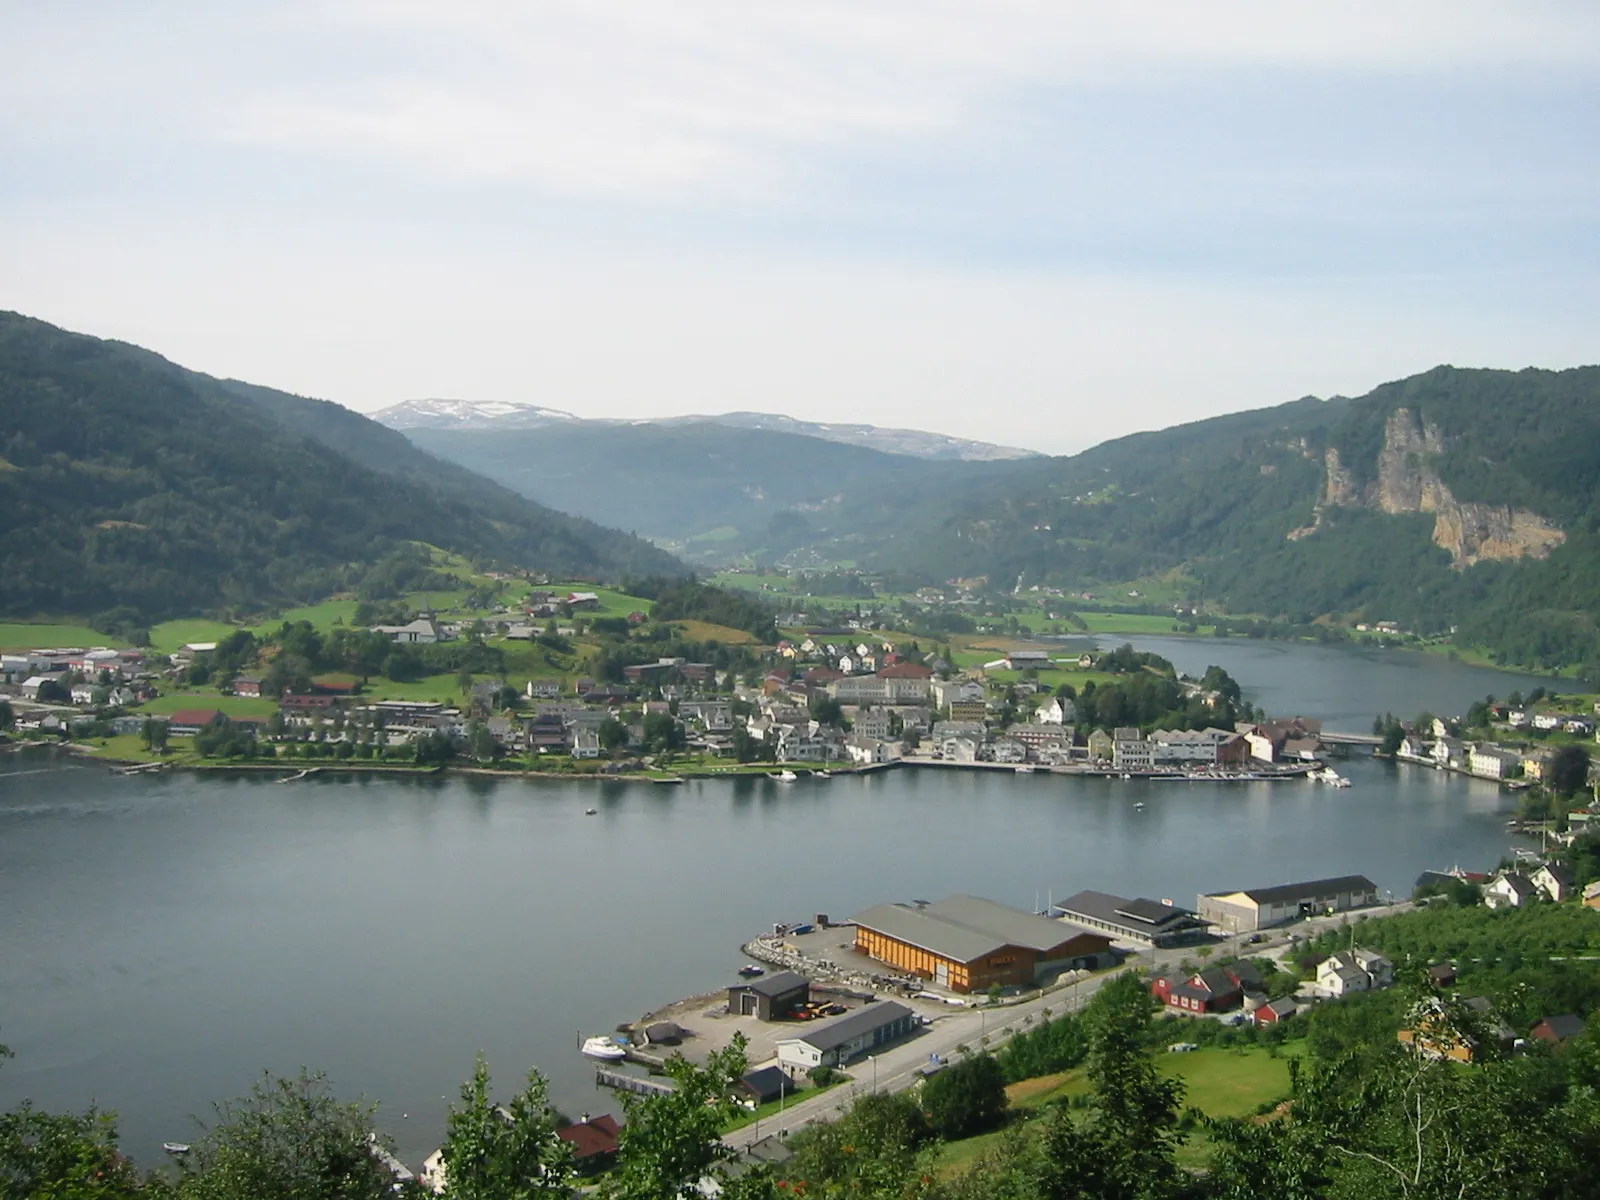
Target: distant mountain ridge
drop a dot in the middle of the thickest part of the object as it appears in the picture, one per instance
(502, 415)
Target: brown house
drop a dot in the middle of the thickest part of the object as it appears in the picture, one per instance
(969, 944)
(593, 1142)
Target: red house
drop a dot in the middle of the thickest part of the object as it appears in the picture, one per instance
(1218, 989)
(594, 1143)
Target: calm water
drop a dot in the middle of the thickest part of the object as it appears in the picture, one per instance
(162, 941)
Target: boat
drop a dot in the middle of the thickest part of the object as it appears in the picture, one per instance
(1138, 803)
(670, 779)
(589, 812)
(750, 970)
(604, 1047)
(822, 774)
(1024, 769)
(175, 1147)
(784, 776)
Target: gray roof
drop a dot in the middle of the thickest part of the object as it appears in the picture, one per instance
(1564, 1025)
(1141, 914)
(965, 928)
(1314, 889)
(772, 986)
(847, 1028)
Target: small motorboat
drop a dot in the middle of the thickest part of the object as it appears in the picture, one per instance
(589, 812)
(604, 1047)
(785, 776)
(175, 1147)
(750, 970)
(822, 774)
(1138, 803)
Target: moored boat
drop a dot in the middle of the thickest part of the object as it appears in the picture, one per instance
(604, 1047)
(784, 776)
(175, 1147)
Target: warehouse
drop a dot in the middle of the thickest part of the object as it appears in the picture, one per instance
(969, 944)
(770, 998)
(1260, 908)
(837, 1042)
(1153, 922)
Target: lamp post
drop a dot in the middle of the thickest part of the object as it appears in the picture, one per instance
(873, 1059)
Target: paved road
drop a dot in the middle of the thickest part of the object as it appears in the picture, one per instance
(895, 1069)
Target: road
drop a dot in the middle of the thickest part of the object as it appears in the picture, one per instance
(896, 1068)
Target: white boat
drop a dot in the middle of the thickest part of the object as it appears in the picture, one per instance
(589, 812)
(604, 1047)
(822, 774)
(785, 776)
(175, 1147)
(1138, 803)
(1024, 769)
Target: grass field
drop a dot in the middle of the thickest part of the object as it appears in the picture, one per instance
(1229, 1083)
(171, 636)
(434, 687)
(233, 706)
(46, 637)
(612, 603)
(704, 631)
(323, 616)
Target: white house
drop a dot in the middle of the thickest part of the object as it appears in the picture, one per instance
(83, 693)
(838, 1041)
(867, 751)
(1354, 970)
(585, 743)
(1554, 882)
(1509, 890)
(421, 632)
(1058, 711)
(30, 687)
(1491, 762)
(959, 749)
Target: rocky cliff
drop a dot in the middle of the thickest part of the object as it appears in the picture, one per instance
(1408, 483)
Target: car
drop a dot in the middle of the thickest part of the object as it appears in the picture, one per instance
(1253, 938)
(1182, 1047)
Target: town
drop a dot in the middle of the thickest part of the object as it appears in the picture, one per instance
(819, 698)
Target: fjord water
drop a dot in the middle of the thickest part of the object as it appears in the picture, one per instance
(164, 940)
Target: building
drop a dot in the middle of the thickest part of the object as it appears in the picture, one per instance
(421, 632)
(845, 1038)
(1129, 750)
(1101, 747)
(246, 685)
(1152, 922)
(870, 751)
(593, 1141)
(1432, 1034)
(1509, 890)
(969, 944)
(1354, 970)
(1028, 660)
(1042, 739)
(1274, 1011)
(763, 1086)
(1558, 1029)
(1217, 989)
(187, 722)
(769, 997)
(1554, 882)
(1260, 908)
(1491, 762)
(1591, 895)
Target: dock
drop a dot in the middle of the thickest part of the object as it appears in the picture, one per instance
(638, 1084)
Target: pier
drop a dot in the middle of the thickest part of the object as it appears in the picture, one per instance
(638, 1084)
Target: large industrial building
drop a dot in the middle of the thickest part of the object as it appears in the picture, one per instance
(1260, 908)
(969, 944)
(1153, 922)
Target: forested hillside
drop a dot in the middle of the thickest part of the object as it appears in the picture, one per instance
(128, 483)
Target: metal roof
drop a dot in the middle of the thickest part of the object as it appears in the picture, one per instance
(847, 1028)
(773, 986)
(965, 928)
(1313, 890)
(1141, 914)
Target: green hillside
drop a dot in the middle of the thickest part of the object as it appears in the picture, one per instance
(130, 485)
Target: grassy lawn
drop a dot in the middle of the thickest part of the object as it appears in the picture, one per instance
(171, 636)
(323, 616)
(233, 706)
(704, 631)
(434, 687)
(46, 637)
(612, 603)
(1231, 1082)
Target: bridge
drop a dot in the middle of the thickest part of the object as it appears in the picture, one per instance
(1351, 739)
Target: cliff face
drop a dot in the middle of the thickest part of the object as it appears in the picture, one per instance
(1407, 483)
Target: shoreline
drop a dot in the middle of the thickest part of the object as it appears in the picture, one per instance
(1265, 773)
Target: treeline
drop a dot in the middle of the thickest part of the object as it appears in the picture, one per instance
(689, 600)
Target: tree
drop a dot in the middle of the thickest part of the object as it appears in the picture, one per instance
(8, 718)
(289, 1139)
(671, 1142)
(505, 1152)
(154, 735)
(480, 742)
(69, 1155)
(613, 734)
(1569, 770)
(965, 1098)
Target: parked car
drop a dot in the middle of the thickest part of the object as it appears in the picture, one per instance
(1182, 1047)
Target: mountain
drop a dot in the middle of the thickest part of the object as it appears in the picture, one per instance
(128, 483)
(1466, 499)
(499, 416)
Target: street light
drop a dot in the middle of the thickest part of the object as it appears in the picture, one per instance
(873, 1059)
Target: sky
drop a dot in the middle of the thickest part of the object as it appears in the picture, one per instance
(1041, 224)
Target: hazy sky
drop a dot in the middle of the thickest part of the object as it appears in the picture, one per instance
(1035, 223)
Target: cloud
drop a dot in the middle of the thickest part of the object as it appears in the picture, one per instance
(676, 101)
